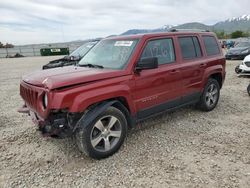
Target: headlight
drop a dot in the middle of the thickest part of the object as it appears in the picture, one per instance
(245, 51)
(45, 100)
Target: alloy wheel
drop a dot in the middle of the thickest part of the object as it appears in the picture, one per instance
(211, 95)
(106, 133)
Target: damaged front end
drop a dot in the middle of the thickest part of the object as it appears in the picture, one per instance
(59, 124)
(51, 122)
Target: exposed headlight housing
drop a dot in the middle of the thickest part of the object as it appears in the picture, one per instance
(45, 100)
(245, 51)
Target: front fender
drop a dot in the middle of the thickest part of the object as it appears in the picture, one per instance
(85, 99)
(91, 114)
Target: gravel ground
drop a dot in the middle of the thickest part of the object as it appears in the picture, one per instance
(185, 148)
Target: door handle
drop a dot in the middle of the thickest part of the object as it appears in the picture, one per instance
(203, 64)
(174, 71)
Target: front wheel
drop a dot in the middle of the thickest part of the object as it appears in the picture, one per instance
(104, 136)
(210, 95)
(248, 89)
(237, 69)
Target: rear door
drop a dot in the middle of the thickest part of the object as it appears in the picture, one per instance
(160, 88)
(192, 68)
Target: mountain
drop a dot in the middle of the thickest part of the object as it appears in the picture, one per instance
(193, 25)
(138, 31)
(241, 23)
(230, 25)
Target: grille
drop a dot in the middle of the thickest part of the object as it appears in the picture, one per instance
(29, 96)
(247, 64)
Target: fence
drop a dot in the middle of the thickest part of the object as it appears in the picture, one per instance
(33, 50)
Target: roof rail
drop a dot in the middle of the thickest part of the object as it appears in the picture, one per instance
(189, 30)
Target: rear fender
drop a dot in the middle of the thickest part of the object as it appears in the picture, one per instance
(210, 71)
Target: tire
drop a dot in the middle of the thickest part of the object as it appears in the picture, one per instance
(210, 95)
(237, 69)
(104, 136)
(248, 89)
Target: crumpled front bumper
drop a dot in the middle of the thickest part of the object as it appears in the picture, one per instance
(24, 110)
(56, 125)
(35, 119)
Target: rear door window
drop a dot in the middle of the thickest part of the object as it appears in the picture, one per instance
(211, 45)
(190, 47)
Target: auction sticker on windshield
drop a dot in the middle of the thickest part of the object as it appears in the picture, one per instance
(123, 43)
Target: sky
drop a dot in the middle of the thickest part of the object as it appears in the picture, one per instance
(47, 21)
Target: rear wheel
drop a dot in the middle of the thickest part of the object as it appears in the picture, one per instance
(104, 136)
(210, 95)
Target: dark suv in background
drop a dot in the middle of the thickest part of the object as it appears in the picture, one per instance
(123, 80)
(239, 51)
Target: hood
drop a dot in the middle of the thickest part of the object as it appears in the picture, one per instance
(70, 75)
(239, 49)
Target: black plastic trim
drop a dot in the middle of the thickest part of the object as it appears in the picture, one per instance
(168, 106)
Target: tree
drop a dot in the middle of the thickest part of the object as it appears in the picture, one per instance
(237, 34)
(7, 45)
(221, 34)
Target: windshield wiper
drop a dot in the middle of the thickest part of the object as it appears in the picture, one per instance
(91, 65)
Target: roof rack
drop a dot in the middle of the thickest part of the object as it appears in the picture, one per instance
(188, 30)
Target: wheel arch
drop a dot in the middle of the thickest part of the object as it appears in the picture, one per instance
(217, 76)
(94, 110)
(216, 72)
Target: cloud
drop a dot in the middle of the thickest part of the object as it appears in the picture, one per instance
(36, 21)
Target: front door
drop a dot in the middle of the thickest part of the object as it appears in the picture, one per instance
(158, 89)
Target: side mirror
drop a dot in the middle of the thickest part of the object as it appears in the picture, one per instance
(147, 63)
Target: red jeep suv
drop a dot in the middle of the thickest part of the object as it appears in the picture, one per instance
(121, 81)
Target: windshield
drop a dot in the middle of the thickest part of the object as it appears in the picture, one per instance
(110, 53)
(82, 50)
(243, 44)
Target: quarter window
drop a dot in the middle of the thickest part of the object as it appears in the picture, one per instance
(163, 49)
(190, 47)
(211, 45)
